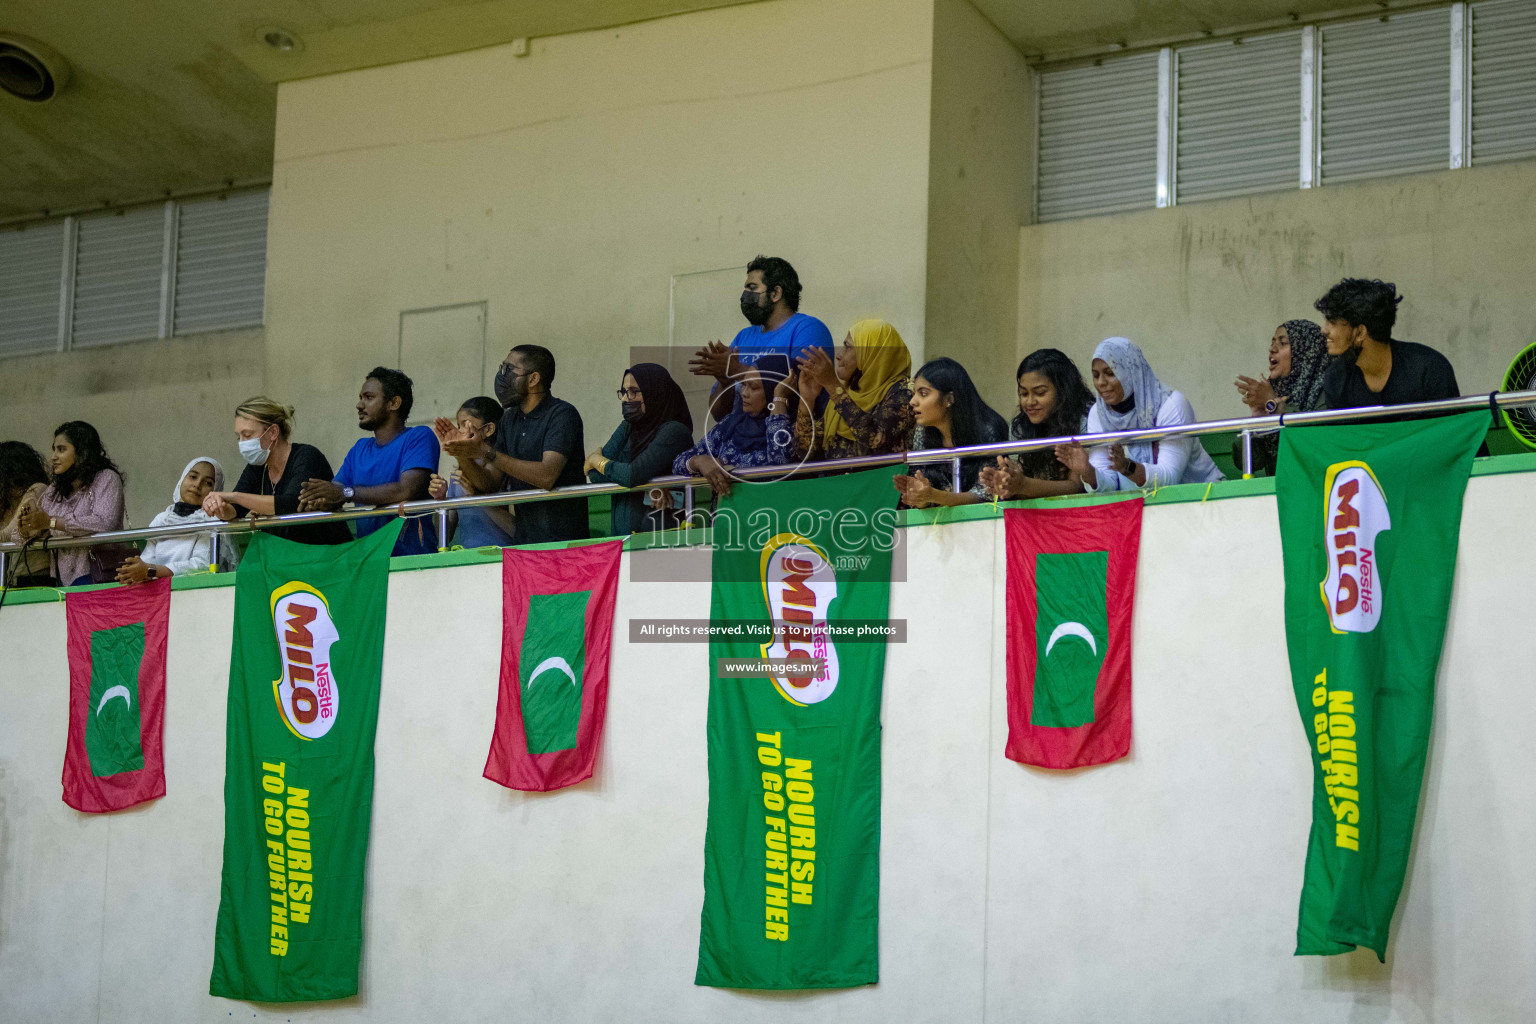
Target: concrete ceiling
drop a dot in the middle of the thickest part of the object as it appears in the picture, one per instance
(177, 95)
(174, 95)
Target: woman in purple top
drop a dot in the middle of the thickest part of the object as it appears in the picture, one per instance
(85, 497)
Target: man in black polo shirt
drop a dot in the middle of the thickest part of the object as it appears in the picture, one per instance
(537, 446)
(1371, 368)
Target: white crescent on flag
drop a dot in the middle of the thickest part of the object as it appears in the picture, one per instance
(1070, 629)
(114, 691)
(547, 664)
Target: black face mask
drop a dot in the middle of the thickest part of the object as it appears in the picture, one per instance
(752, 308)
(509, 387)
(632, 410)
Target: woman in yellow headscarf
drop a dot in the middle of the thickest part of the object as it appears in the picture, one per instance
(869, 388)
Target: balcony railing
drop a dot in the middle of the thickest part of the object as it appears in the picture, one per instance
(1247, 426)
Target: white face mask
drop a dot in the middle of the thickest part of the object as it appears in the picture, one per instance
(252, 451)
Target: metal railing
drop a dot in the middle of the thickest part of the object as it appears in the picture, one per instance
(1247, 426)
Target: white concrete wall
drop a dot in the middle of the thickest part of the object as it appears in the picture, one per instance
(157, 404)
(1162, 888)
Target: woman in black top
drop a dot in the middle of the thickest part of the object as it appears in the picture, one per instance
(276, 467)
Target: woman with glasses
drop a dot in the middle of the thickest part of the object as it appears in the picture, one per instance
(656, 428)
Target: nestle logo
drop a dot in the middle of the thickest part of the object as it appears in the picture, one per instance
(1354, 515)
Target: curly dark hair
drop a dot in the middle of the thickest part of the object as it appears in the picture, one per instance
(90, 458)
(395, 385)
(1360, 302)
(777, 273)
(1073, 399)
(20, 467)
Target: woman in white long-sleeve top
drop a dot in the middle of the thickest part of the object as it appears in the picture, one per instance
(187, 552)
(1132, 398)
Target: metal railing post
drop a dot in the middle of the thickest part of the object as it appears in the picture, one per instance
(213, 552)
(954, 484)
(1247, 454)
(687, 506)
(440, 517)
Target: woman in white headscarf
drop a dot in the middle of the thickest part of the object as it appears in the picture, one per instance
(1132, 398)
(186, 552)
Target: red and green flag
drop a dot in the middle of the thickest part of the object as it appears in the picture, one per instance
(792, 847)
(1370, 517)
(557, 630)
(113, 756)
(304, 678)
(1071, 593)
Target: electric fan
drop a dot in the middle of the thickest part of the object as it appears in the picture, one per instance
(1521, 376)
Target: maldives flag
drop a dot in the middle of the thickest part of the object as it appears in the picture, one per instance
(1071, 590)
(556, 629)
(117, 638)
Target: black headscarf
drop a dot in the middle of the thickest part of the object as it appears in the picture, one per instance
(663, 401)
(750, 433)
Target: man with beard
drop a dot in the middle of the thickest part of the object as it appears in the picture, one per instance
(770, 300)
(538, 445)
(392, 466)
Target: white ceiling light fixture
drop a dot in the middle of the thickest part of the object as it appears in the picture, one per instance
(280, 40)
(30, 70)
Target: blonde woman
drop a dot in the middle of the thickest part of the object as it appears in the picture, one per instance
(276, 467)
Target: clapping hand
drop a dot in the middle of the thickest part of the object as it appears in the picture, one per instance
(713, 360)
(1005, 480)
(460, 443)
(437, 488)
(1256, 392)
(817, 373)
(1074, 456)
(915, 489)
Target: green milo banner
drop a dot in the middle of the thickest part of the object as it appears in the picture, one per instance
(1369, 520)
(792, 848)
(298, 776)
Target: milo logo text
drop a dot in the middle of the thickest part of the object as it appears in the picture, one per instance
(1354, 514)
(799, 585)
(306, 692)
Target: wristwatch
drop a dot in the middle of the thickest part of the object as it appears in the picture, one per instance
(346, 493)
(1270, 407)
(1130, 467)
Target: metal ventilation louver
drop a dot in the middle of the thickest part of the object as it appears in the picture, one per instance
(1237, 120)
(1098, 138)
(221, 263)
(1386, 96)
(1503, 80)
(31, 261)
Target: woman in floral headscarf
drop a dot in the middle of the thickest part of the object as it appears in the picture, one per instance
(1298, 355)
(1132, 398)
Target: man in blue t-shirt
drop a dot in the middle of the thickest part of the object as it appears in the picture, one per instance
(394, 465)
(770, 300)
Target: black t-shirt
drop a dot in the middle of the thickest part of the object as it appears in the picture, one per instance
(1419, 374)
(305, 463)
(553, 426)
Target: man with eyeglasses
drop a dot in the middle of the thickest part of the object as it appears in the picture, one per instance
(538, 445)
